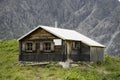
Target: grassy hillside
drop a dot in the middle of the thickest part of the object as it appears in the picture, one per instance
(11, 70)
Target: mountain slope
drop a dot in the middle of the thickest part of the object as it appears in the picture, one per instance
(98, 19)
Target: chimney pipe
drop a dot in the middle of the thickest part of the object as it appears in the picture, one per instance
(56, 24)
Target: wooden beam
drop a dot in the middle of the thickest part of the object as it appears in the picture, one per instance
(69, 49)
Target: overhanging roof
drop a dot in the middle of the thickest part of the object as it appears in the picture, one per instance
(66, 34)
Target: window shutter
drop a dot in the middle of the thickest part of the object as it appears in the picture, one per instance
(23, 46)
(26, 46)
(33, 46)
(41, 46)
(52, 46)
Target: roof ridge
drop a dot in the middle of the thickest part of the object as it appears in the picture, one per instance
(56, 28)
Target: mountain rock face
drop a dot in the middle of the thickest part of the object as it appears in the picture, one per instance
(98, 19)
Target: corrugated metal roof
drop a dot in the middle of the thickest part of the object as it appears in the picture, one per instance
(66, 34)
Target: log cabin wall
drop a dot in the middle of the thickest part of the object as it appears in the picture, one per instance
(37, 40)
(56, 55)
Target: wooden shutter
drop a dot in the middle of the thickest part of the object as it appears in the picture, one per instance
(41, 46)
(33, 46)
(52, 46)
(23, 46)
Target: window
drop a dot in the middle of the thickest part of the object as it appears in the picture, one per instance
(76, 45)
(57, 42)
(29, 46)
(48, 46)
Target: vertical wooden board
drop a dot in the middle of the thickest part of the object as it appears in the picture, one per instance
(34, 46)
(41, 46)
(101, 54)
(93, 54)
(69, 48)
(52, 46)
(97, 54)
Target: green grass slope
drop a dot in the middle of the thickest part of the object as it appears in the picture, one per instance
(10, 70)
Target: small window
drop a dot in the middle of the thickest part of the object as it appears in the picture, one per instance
(29, 46)
(48, 46)
(76, 45)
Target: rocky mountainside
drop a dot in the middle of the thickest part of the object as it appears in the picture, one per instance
(98, 19)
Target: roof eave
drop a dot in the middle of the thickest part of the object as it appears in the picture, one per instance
(99, 46)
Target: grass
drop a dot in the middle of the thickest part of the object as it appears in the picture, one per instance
(10, 70)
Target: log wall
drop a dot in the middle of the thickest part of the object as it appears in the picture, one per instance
(37, 54)
(57, 55)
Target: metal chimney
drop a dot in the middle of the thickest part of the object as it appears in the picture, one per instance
(56, 24)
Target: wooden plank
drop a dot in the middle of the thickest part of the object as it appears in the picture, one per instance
(43, 57)
(69, 49)
(40, 34)
(97, 54)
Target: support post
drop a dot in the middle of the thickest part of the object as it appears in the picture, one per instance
(69, 49)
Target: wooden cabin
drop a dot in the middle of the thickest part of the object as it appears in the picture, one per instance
(55, 44)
